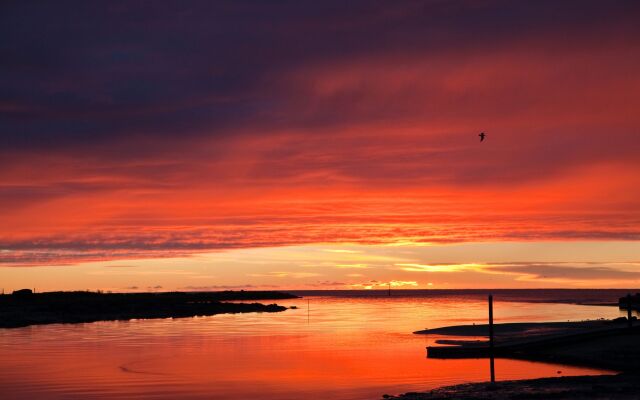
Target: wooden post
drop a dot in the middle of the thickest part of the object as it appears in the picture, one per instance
(492, 365)
(629, 310)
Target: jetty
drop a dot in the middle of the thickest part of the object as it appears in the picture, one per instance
(608, 344)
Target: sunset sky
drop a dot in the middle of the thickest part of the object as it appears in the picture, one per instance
(319, 144)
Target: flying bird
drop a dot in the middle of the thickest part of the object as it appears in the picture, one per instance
(482, 135)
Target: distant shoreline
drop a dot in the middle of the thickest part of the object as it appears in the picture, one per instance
(24, 308)
(582, 297)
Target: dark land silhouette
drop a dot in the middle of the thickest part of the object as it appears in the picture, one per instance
(24, 308)
(606, 344)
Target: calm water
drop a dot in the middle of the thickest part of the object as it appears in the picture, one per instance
(349, 346)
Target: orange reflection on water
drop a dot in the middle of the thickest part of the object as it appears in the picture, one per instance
(348, 349)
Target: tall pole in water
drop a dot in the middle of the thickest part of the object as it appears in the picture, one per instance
(629, 310)
(492, 365)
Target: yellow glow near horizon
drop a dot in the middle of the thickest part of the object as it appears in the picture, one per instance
(438, 268)
(324, 266)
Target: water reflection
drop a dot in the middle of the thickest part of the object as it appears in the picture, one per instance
(342, 348)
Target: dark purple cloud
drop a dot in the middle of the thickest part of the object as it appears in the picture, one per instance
(88, 75)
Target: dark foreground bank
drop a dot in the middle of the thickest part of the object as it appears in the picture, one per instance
(24, 308)
(624, 386)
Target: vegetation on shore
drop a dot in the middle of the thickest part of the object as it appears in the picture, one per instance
(24, 308)
(630, 302)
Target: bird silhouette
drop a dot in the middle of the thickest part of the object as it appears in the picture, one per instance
(482, 136)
